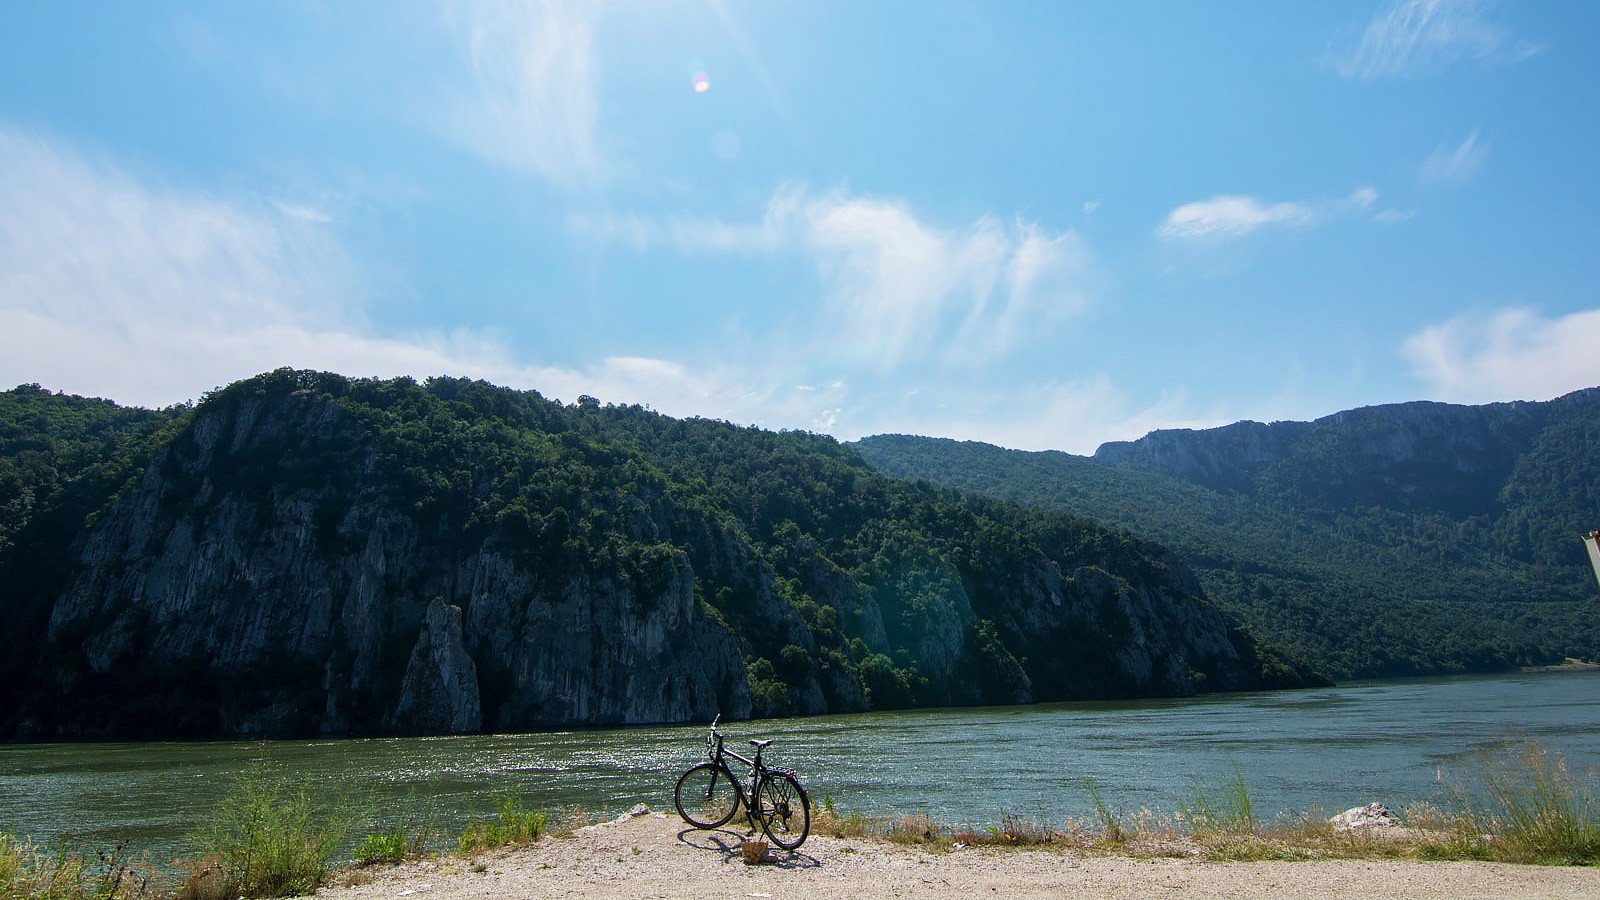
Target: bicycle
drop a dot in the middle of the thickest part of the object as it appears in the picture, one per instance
(709, 794)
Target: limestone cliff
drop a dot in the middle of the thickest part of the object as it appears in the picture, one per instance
(311, 554)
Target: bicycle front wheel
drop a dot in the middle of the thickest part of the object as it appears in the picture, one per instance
(706, 796)
(784, 810)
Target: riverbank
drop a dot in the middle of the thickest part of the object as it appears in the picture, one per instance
(655, 855)
(1571, 665)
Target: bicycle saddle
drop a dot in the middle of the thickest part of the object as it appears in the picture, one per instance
(760, 744)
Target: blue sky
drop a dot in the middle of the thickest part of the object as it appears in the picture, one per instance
(1042, 225)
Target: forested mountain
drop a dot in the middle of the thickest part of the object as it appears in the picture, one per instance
(301, 552)
(1393, 540)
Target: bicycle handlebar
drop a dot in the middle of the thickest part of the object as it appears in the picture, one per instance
(713, 739)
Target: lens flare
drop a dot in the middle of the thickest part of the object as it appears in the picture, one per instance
(698, 77)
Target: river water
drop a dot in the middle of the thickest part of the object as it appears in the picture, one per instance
(1327, 748)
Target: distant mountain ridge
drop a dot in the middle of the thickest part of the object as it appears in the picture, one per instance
(1408, 538)
(1408, 455)
(305, 553)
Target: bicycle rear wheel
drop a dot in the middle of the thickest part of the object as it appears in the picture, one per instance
(706, 796)
(784, 810)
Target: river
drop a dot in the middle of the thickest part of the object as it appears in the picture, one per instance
(1325, 748)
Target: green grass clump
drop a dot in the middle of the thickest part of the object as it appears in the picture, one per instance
(1225, 808)
(267, 838)
(1531, 809)
(390, 847)
(28, 874)
(514, 824)
(1111, 822)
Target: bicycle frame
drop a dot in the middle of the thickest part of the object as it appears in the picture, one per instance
(717, 753)
(774, 800)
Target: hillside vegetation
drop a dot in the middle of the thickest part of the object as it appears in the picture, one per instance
(302, 552)
(1417, 538)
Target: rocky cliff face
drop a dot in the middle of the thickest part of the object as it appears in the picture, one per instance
(304, 558)
(313, 603)
(1420, 455)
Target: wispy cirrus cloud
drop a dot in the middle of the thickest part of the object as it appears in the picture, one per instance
(1506, 355)
(1232, 215)
(1074, 416)
(899, 288)
(1417, 37)
(151, 296)
(534, 105)
(1454, 165)
(115, 287)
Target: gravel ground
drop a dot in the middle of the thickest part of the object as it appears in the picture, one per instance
(656, 856)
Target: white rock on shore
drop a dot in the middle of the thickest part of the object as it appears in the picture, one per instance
(1373, 815)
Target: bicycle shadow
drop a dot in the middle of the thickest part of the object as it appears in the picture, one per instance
(727, 841)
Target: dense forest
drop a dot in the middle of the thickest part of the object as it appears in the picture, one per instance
(1410, 539)
(305, 552)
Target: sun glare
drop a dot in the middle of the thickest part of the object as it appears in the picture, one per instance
(698, 77)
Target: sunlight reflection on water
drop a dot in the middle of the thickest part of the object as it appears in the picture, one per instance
(1321, 748)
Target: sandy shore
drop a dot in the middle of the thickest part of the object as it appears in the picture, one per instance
(657, 856)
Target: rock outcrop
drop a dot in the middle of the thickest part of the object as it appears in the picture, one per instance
(312, 555)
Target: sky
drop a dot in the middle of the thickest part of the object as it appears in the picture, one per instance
(1043, 225)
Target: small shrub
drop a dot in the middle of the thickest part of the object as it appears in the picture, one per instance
(390, 847)
(267, 838)
(514, 824)
(919, 828)
(1019, 831)
(827, 820)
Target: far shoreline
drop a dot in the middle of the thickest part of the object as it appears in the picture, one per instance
(1571, 665)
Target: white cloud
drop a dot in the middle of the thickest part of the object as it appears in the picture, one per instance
(105, 283)
(1453, 166)
(1394, 216)
(303, 212)
(781, 227)
(1231, 215)
(1073, 416)
(894, 287)
(534, 105)
(1512, 354)
(153, 296)
(1415, 37)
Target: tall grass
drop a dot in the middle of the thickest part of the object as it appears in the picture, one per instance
(1110, 821)
(268, 837)
(1531, 808)
(1225, 807)
(26, 873)
(1517, 804)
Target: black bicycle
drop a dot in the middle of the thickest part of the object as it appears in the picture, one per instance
(708, 795)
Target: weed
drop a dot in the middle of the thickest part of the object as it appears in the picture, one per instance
(27, 874)
(1532, 810)
(514, 824)
(827, 820)
(1110, 822)
(919, 828)
(383, 847)
(1225, 809)
(266, 838)
(1020, 831)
